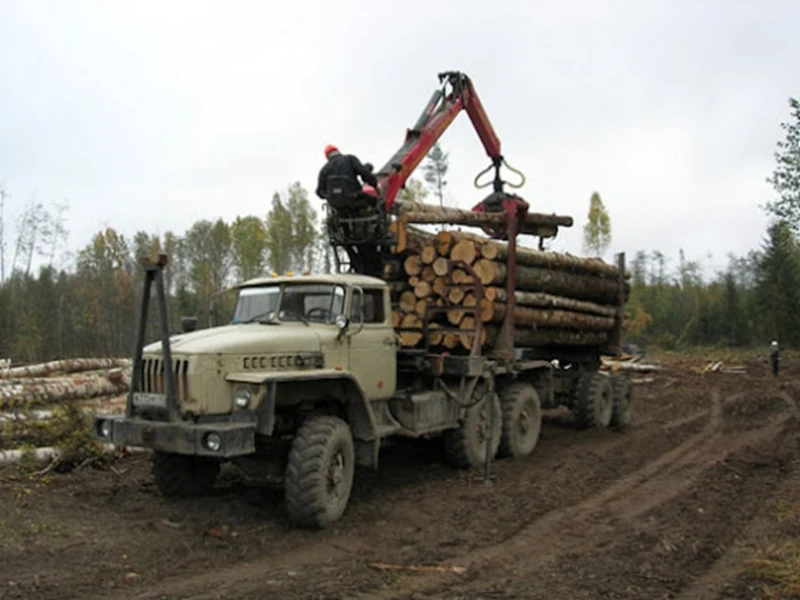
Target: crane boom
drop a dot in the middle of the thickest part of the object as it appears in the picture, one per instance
(457, 94)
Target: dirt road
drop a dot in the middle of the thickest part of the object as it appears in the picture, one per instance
(672, 508)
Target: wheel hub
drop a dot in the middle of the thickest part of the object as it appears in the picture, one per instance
(335, 474)
(523, 423)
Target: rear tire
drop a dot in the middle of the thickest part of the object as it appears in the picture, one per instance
(184, 475)
(622, 414)
(594, 401)
(522, 420)
(465, 447)
(319, 476)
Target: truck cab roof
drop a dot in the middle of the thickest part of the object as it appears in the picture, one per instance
(335, 278)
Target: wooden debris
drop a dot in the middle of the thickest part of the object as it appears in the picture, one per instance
(420, 568)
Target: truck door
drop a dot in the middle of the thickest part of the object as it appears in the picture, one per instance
(373, 357)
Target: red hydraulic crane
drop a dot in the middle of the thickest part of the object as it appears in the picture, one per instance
(457, 94)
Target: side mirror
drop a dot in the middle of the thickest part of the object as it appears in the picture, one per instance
(188, 324)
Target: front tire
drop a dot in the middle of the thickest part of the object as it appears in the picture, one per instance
(319, 475)
(522, 420)
(183, 474)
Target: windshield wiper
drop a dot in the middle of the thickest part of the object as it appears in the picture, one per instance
(260, 316)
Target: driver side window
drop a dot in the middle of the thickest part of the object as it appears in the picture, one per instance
(373, 307)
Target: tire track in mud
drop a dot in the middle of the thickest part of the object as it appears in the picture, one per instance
(251, 575)
(729, 564)
(588, 523)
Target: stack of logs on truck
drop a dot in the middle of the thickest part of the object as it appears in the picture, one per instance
(453, 284)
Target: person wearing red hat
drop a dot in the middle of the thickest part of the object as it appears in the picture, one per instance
(344, 165)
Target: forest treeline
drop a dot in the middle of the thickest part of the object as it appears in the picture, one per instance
(91, 309)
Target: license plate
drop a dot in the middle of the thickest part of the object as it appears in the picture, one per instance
(150, 400)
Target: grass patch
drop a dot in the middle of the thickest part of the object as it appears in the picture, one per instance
(778, 568)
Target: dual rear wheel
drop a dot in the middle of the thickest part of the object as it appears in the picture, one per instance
(516, 424)
(603, 401)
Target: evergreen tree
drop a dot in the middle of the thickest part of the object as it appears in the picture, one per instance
(779, 283)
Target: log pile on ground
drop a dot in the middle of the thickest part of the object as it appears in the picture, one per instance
(457, 281)
(61, 380)
(56, 367)
(45, 409)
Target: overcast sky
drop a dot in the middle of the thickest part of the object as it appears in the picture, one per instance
(150, 115)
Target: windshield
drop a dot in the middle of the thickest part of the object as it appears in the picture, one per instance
(319, 303)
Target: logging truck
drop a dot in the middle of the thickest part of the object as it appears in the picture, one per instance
(462, 337)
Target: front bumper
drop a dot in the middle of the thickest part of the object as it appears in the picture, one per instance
(233, 438)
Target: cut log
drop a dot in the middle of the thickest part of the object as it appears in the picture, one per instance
(525, 317)
(439, 285)
(397, 318)
(485, 311)
(485, 247)
(408, 238)
(49, 454)
(422, 289)
(412, 265)
(441, 266)
(444, 241)
(550, 337)
(407, 301)
(64, 388)
(464, 250)
(431, 214)
(410, 331)
(428, 254)
(73, 365)
(559, 283)
(461, 276)
(427, 274)
(412, 281)
(467, 335)
(450, 340)
(542, 300)
(455, 315)
(420, 307)
(557, 261)
(456, 295)
(435, 334)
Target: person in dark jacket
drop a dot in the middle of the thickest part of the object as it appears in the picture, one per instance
(348, 166)
(774, 357)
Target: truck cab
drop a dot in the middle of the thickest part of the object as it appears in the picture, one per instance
(305, 358)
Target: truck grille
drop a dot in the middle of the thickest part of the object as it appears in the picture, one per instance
(154, 378)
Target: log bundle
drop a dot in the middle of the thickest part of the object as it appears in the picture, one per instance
(26, 391)
(458, 282)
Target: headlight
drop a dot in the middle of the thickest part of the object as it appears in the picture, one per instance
(105, 428)
(213, 442)
(242, 397)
